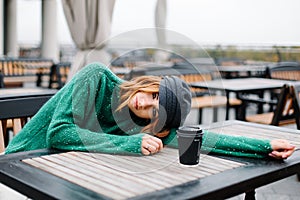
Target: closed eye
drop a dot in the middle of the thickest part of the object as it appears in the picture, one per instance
(155, 95)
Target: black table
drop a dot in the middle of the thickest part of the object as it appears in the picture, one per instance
(50, 174)
(240, 85)
(242, 71)
(12, 93)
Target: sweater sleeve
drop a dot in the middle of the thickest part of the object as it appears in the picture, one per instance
(75, 126)
(235, 145)
(229, 145)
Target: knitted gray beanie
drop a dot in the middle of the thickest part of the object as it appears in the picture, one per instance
(174, 103)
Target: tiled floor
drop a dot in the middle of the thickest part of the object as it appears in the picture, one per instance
(286, 189)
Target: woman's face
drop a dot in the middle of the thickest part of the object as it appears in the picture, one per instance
(144, 105)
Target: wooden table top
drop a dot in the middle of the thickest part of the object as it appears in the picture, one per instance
(49, 174)
(122, 177)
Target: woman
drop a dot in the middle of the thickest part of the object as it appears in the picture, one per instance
(98, 112)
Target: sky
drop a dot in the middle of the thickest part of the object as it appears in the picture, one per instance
(225, 22)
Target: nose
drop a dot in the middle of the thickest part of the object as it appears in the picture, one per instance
(147, 102)
(144, 103)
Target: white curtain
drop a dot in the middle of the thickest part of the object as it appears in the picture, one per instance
(160, 25)
(89, 22)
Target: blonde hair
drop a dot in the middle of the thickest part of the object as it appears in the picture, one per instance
(140, 84)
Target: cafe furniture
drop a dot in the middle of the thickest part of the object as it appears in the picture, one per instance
(239, 86)
(17, 105)
(242, 71)
(59, 74)
(55, 174)
(288, 70)
(286, 107)
(284, 71)
(229, 61)
(17, 71)
(214, 102)
(1, 80)
(295, 90)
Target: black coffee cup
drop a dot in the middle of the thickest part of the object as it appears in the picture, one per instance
(189, 144)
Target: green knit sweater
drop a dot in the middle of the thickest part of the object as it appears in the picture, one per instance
(82, 117)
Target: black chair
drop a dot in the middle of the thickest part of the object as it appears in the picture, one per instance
(284, 113)
(15, 113)
(288, 70)
(1, 80)
(284, 71)
(17, 71)
(295, 92)
(59, 74)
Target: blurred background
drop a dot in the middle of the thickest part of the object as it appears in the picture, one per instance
(250, 29)
(128, 34)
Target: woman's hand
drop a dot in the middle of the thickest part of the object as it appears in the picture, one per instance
(282, 149)
(151, 145)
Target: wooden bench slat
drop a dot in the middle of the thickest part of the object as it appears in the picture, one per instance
(2, 144)
(213, 101)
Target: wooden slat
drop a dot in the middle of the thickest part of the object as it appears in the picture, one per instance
(286, 75)
(136, 168)
(94, 166)
(190, 78)
(17, 125)
(213, 101)
(75, 177)
(2, 145)
(146, 169)
(91, 172)
(122, 177)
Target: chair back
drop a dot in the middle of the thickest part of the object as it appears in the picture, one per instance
(284, 112)
(295, 91)
(59, 74)
(2, 145)
(16, 112)
(192, 78)
(16, 71)
(284, 70)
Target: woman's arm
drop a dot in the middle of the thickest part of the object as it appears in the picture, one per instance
(282, 149)
(238, 145)
(75, 125)
(235, 145)
(71, 137)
